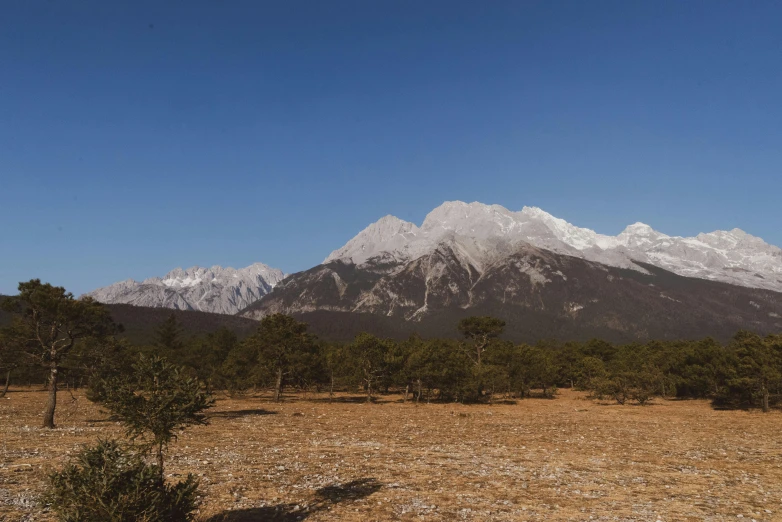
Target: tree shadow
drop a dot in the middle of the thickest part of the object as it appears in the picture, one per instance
(359, 399)
(279, 513)
(324, 498)
(353, 490)
(235, 414)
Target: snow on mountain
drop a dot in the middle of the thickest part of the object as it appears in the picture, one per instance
(729, 256)
(215, 289)
(539, 293)
(388, 234)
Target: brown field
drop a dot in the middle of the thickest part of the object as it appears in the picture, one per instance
(563, 459)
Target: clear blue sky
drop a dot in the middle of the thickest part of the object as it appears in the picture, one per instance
(139, 136)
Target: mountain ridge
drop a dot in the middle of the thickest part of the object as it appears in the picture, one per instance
(216, 289)
(467, 258)
(735, 256)
(539, 293)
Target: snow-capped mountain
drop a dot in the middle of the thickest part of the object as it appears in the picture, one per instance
(217, 289)
(544, 276)
(538, 292)
(733, 257)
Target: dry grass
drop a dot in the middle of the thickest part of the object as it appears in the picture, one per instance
(563, 459)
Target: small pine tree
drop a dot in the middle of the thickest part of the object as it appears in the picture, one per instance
(110, 483)
(480, 333)
(101, 362)
(113, 483)
(154, 401)
(616, 386)
(168, 337)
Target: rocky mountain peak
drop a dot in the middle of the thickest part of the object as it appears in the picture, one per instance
(639, 229)
(385, 235)
(729, 256)
(215, 289)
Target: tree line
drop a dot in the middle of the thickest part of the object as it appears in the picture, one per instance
(482, 367)
(59, 340)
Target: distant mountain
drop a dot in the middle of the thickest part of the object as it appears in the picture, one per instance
(546, 277)
(733, 257)
(217, 290)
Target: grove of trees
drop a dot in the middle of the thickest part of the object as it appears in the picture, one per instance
(55, 338)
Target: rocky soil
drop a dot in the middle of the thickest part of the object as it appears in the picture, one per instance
(555, 460)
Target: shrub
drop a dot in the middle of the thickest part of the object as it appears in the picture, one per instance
(154, 401)
(109, 483)
(616, 388)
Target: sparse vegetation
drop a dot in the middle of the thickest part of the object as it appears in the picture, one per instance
(155, 399)
(561, 460)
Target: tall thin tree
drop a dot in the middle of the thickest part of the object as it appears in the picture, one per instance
(47, 324)
(11, 357)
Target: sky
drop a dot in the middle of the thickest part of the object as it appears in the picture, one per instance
(136, 137)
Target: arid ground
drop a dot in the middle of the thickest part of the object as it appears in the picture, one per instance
(564, 459)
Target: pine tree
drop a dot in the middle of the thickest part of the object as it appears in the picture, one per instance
(368, 356)
(480, 332)
(11, 357)
(282, 349)
(168, 338)
(111, 483)
(155, 401)
(48, 323)
(757, 370)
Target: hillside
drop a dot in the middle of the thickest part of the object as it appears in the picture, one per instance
(140, 322)
(539, 293)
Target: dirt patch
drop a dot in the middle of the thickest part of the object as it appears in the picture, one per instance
(563, 459)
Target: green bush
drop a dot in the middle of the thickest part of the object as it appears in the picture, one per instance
(108, 483)
(155, 401)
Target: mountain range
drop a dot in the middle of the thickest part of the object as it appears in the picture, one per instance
(545, 276)
(733, 257)
(217, 289)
